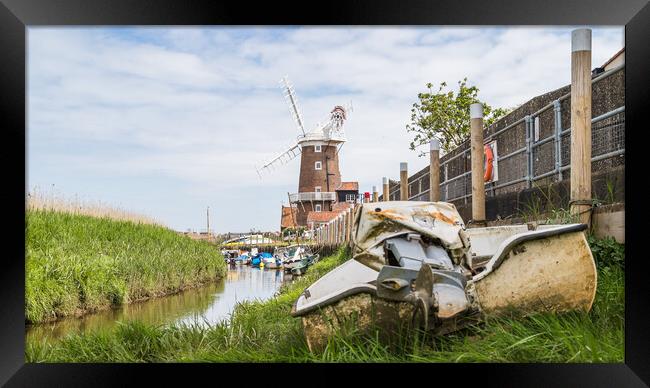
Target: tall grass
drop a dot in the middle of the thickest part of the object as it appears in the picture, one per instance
(78, 263)
(265, 331)
(39, 199)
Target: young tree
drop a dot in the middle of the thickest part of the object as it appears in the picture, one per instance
(445, 116)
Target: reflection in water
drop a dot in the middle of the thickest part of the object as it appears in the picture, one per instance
(205, 305)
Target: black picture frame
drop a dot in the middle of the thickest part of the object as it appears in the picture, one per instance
(17, 15)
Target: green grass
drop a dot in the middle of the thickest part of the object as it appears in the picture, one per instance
(264, 331)
(77, 263)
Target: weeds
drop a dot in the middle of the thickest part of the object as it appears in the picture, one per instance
(550, 212)
(607, 252)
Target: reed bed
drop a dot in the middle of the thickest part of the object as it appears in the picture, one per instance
(265, 332)
(78, 263)
(39, 199)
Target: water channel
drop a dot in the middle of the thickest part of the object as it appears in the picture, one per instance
(205, 305)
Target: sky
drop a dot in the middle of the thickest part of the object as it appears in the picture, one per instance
(168, 121)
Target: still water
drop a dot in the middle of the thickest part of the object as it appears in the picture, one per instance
(205, 305)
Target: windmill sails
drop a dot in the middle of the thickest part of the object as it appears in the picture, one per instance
(280, 160)
(330, 130)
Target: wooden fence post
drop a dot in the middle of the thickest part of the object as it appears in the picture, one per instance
(478, 184)
(404, 182)
(386, 193)
(347, 225)
(338, 229)
(434, 170)
(581, 124)
(375, 194)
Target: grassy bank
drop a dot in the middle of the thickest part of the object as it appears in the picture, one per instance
(78, 263)
(265, 331)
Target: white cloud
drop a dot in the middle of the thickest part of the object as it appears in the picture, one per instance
(203, 105)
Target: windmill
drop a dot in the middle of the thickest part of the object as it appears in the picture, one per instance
(318, 148)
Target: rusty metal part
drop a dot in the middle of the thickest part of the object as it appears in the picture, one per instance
(377, 222)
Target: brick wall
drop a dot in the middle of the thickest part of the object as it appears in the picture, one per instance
(310, 177)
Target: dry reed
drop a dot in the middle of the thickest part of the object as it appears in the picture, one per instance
(51, 200)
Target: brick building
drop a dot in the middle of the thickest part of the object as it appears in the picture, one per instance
(288, 218)
(321, 193)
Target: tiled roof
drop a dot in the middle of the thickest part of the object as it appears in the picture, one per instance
(287, 220)
(351, 186)
(321, 216)
(341, 206)
(610, 60)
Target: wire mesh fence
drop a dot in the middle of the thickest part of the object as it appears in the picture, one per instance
(534, 148)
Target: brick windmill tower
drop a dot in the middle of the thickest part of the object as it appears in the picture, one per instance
(319, 163)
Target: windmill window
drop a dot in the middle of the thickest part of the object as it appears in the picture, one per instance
(318, 207)
(317, 148)
(318, 165)
(318, 188)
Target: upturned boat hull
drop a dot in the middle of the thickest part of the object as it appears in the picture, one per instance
(550, 269)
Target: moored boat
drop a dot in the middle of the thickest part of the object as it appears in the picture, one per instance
(293, 256)
(242, 259)
(262, 259)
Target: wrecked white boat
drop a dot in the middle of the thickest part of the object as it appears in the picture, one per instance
(415, 264)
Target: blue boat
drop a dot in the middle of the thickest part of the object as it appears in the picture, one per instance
(242, 259)
(260, 258)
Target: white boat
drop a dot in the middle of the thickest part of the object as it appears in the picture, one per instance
(292, 255)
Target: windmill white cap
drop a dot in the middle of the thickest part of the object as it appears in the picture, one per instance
(581, 40)
(374, 189)
(403, 166)
(476, 111)
(434, 144)
(384, 180)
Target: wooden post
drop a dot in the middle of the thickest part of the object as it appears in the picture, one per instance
(404, 182)
(375, 194)
(478, 184)
(351, 231)
(348, 225)
(581, 123)
(338, 229)
(386, 193)
(434, 170)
